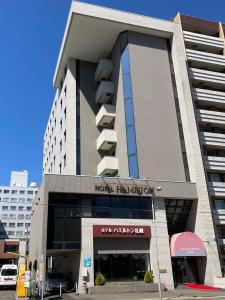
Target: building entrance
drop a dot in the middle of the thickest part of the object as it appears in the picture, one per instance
(121, 267)
(185, 270)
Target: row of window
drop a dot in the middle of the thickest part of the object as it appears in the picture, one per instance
(15, 217)
(15, 233)
(12, 225)
(15, 208)
(51, 122)
(51, 152)
(20, 200)
(21, 192)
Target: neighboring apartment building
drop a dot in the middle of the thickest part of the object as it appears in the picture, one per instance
(137, 125)
(16, 206)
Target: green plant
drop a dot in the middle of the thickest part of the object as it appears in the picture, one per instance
(100, 279)
(148, 277)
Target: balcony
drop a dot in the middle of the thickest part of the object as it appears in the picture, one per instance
(211, 117)
(200, 59)
(104, 70)
(216, 140)
(214, 163)
(108, 166)
(219, 216)
(216, 189)
(106, 140)
(203, 78)
(106, 115)
(203, 42)
(209, 97)
(104, 92)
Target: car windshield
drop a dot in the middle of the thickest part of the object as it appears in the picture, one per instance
(9, 272)
(55, 276)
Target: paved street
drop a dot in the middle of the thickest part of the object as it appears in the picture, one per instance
(177, 294)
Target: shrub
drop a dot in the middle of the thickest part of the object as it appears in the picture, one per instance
(100, 279)
(148, 277)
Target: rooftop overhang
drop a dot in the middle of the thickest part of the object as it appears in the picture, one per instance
(91, 32)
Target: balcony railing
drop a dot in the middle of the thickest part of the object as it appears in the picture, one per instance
(219, 216)
(209, 97)
(216, 140)
(210, 116)
(214, 163)
(216, 189)
(106, 140)
(104, 92)
(207, 78)
(214, 62)
(106, 115)
(108, 166)
(104, 69)
(204, 41)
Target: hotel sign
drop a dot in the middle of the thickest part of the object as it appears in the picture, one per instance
(124, 189)
(121, 231)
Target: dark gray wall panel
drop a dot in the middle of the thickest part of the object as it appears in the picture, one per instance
(158, 142)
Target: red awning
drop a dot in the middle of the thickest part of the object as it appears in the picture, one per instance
(186, 244)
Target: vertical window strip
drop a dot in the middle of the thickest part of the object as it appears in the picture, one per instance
(129, 115)
(77, 117)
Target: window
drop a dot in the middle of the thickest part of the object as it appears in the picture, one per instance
(21, 200)
(19, 224)
(60, 168)
(55, 140)
(65, 90)
(22, 192)
(13, 208)
(54, 160)
(64, 160)
(4, 208)
(28, 217)
(219, 204)
(61, 124)
(14, 191)
(214, 177)
(29, 208)
(129, 115)
(65, 113)
(29, 200)
(20, 217)
(12, 225)
(11, 232)
(30, 192)
(19, 233)
(21, 208)
(61, 103)
(6, 191)
(6, 199)
(13, 199)
(12, 216)
(4, 216)
(64, 136)
(60, 146)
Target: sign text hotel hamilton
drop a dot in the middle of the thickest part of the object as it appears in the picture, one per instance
(124, 189)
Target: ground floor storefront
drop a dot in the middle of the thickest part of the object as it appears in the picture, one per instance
(121, 228)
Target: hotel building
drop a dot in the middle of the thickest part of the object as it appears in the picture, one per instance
(134, 151)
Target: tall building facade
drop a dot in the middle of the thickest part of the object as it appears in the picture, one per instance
(16, 206)
(136, 128)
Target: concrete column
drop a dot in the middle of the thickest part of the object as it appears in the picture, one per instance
(159, 231)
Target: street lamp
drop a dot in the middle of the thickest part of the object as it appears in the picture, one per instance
(158, 189)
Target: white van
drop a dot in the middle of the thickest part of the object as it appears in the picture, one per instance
(8, 275)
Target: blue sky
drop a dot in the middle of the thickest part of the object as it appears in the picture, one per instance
(30, 37)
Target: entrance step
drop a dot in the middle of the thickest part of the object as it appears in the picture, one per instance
(122, 287)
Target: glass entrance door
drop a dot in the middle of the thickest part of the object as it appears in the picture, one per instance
(185, 270)
(121, 267)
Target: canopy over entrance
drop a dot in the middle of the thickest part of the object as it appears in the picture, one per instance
(186, 244)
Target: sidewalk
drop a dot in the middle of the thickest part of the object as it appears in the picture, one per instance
(183, 293)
